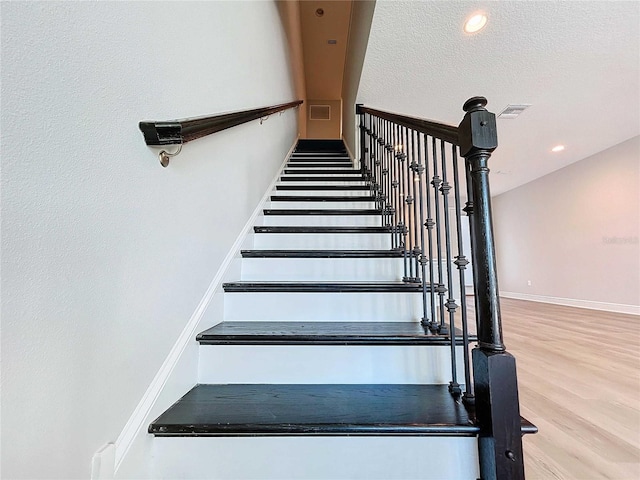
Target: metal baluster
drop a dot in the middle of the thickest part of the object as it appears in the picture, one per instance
(410, 224)
(378, 185)
(440, 288)
(419, 170)
(461, 262)
(468, 209)
(454, 386)
(418, 246)
(387, 178)
(394, 185)
(429, 223)
(402, 197)
(406, 207)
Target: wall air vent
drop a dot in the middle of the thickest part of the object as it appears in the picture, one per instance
(319, 112)
(512, 111)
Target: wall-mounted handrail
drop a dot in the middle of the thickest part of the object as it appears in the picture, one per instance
(411, 167)
(179, 132)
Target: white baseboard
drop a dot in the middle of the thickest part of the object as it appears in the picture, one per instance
(572, 302)
(350, 153)
(138, 419)
(103, 463)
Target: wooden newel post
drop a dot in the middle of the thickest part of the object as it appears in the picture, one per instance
(494, 370)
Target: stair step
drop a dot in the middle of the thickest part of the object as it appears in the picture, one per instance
(320, 166)
(323, 333)
(321, 160)
(322, 198)
(326, 171)
(321, 287)
(343, 211)
(322, 254)
(322, 187)
(255, 410)
(238, 410)
(321, 179)
(321, 229)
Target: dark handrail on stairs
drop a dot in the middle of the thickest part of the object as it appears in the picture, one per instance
(404, 160)
(179, 132)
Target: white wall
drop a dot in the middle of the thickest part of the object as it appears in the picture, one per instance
(106, 255)
(574, 233)
(359, 28)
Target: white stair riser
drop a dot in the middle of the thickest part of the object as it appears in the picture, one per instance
(320, 167)
(322, 269)
(319, 193)
(307, 458)
(361, 183)
(342, 306)
(322, 220)
(350, 174)
(322, 241)
(319, 364)
(319, 205)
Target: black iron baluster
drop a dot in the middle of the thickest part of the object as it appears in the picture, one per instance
(378, 169)
(440, 288)
(445, 188)
(387, 180)
(410, 206)
(419, 248)
(401, 154)
(419, 170)
(394, 185)
(461, 262)
(429, 224)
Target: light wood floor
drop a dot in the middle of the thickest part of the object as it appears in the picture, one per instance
(579, 382)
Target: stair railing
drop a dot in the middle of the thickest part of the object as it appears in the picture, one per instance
(179, 132)
(412, 167)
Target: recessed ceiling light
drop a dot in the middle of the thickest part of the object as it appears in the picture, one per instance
(558, 148)
(475, 23)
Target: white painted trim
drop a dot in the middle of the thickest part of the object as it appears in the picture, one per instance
(350, 153)
(573, 302)
(103, 463)
(143, 409)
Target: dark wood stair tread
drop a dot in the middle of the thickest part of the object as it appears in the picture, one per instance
(237, 410)
(286, 410)
(327, 171)
(321, 179)
(322, 253)
(326, 211)
(318, 166)
(322, 187)
(322, 198)
(320, 229)
(321, 159)
(324, 287)
(323, 333)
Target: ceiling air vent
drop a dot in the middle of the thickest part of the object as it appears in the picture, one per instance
(319, 112)
(512, 111)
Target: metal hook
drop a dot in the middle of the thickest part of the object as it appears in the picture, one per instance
(263, 119)
(165, 156)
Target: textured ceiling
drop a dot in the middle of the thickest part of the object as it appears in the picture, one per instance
(576, 62)
(324, 63)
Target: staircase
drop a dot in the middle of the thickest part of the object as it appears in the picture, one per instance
(321, 367)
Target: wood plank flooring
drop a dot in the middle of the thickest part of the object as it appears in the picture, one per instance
(579, 379)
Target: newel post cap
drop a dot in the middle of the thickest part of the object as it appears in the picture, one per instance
(477, 131)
